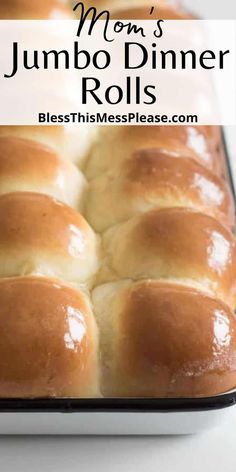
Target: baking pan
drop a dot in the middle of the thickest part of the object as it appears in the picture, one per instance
(116, 416)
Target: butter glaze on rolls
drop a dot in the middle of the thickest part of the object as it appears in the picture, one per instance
(164, 340)
(35, 10)
(116, 143)
(70, 142)
(40, 235)
(49, 346)
(155, 178)
(26, 165)
(175, 244)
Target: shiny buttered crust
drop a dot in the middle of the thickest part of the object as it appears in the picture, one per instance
(161, 340)
(40, 235)
(114, 144)
(49, 342)
(176, 244)
(35, 10)
(156, 178)
(27, 165)
(70, 142)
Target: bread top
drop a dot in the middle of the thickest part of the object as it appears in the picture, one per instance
(175, 244)
(165, 340)
(156, 178)
(40, 234)
(70, 142)
(35, 220)
(31, 166)
(34, 10)
(154, 168)
(116, 143)
(49, 347)
(31, 158)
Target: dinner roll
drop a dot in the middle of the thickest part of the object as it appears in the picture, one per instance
(27, 165)
(40, 235)
(70, 142)
(178, 244)
(164, 340)
(35, 10)
(155, 178)
(49, 342)
(116, 143)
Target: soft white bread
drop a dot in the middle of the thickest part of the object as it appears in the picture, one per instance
(70, 142)
(49, 342)
(116, 143)
(176, 244)
(35, 10)
(27, 165)
(155, 178)
(164, 340)
(40, 235)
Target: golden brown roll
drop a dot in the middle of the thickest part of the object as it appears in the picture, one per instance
(35, 10)
(155, 178)
(116, 143)
(27, 165)
(49, 340)
(40, 235)
(164, 340)
(70, 142)
(176, 244)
